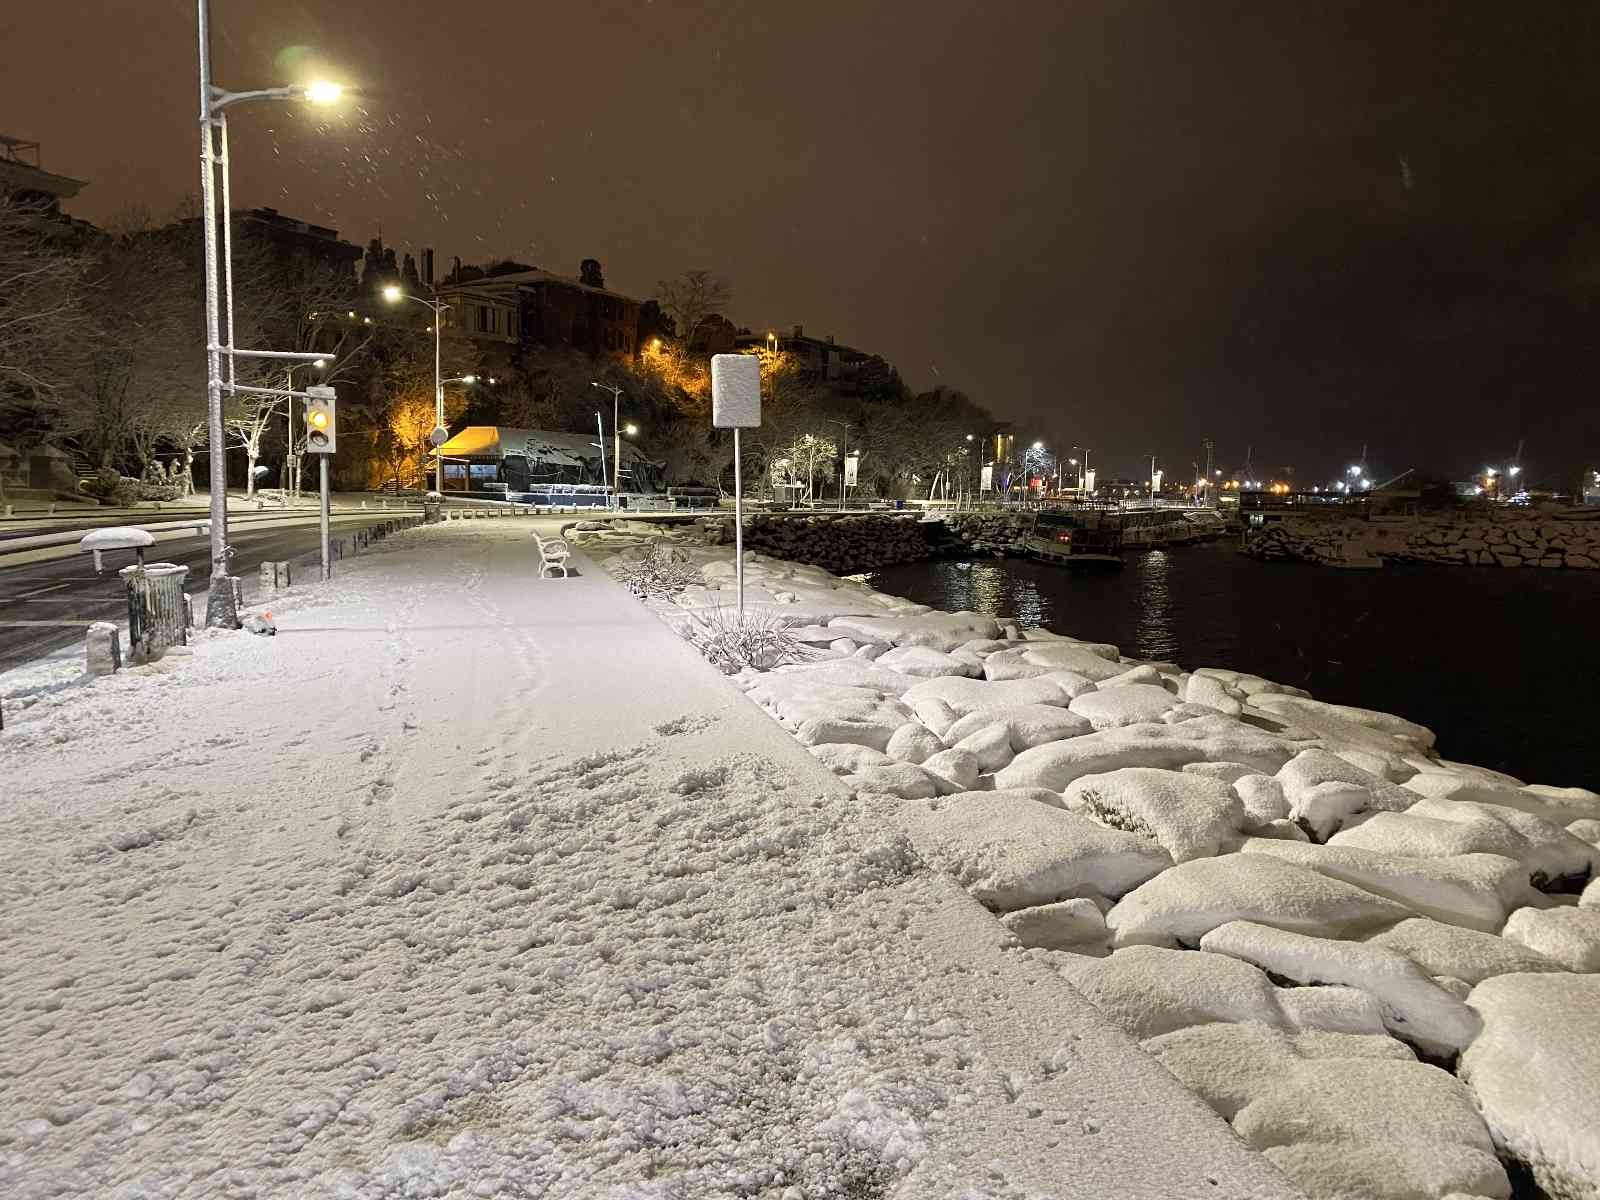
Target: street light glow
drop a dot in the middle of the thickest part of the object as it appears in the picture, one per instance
(630, 429)
(469, 379)
(320, 363)
(323, 91)
(392, 293)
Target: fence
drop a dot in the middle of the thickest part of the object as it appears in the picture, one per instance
(158, 612)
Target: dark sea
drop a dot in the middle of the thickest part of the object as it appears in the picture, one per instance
(1504, 665)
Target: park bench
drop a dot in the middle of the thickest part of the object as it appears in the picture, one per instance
(553, 554)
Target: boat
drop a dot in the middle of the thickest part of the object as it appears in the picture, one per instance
(1092, 538)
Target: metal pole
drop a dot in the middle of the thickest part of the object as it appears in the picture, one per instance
(438, 401)
(738, 519)
(601, 426)
(288, 457)
(220, 609)
(844, 441)
(327, 565)
(616, 442)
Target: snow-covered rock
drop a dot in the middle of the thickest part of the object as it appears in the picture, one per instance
(1185, 903)
(934, 713)
(940, 630)
(1465, 954)
(847, 758)
(1143, 673)
(1585, 830)
(906, 780)
(925, 662)
(990, 745)
(1332, 1011)
(1228, 772)
(957, 769)
(1415, 1008)
(1130, 704)
(1077, 925)
(1012, 852)
(1187, 815)
(1167, 747)
(1374, 1128)
(1028, 725)
(1262, 798)
(1567, 936)
(1534, 1072)
(1476, 891)
(913, 742)
(1397, 728)
(1147, 991)
(849, 672)
(966, 696)
(1325, 790)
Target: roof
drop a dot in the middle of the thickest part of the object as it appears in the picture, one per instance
(531, 278)
(544, 445)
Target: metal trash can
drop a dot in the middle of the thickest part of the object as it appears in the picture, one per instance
(431, 505)
(157, 616)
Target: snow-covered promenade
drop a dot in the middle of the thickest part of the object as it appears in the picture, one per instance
(468, 884)
(1379, 965)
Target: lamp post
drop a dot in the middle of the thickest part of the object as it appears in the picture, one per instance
(214, 102)
(616, 434)
(844, 438)
(394, 294)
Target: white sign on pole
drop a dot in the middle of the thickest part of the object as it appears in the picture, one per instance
(735, 391)
(736, 405)
(852, 467)
(986, 478)
(1155, 482)
(1088, 480)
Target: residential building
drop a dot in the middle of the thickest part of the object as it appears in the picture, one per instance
(823, 357)
(516, 305)
(22, 178)
(291, 237)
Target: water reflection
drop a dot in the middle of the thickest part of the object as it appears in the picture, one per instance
(1155, 631)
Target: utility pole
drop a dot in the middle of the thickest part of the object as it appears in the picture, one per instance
(1208, 476)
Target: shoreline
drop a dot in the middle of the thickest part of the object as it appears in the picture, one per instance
(1179, 845)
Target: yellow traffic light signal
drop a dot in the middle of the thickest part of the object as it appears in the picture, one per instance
(322, 421)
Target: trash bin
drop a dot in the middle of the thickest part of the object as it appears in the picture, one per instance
(432, 503)
(157, 615)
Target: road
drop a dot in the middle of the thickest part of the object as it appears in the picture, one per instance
(45, 606)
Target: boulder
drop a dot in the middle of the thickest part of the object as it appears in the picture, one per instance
(848, 672)
(1534, 1073)
(1129, 704)
(1226, 771)
(1476, 891)
(913, 742)
(1038, 657)
(924, 662)
(1435, 828)
(847, 758)
(1142, 673)
(1028, 725)
(1168, 747)
(1465, 954)
(940, 630)
(990, 746)
(956, 769)
(1077, 925)
(1332, 1011)
(906, 780)
(1262, 799)
(1189, 816)
(1225, 1064)
(1146, 991)
(1182, 905)
(1010, 852)
(934, 713)
(1415, 1009)
(1399, 729)
(1569, 937)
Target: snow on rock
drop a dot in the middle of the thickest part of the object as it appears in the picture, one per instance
(1464, 954)
(1563, 805)
(1534, 1073)
(1037, 658)
(966, 696)
(991, 746)
(1590, 897)
(925, 662)
(1548, 850)
(1213, 693)
(1147, 991)
(1028, 725)
(906, 780)
(1228, 772)
(1397, 728)
(849, 672)
(940, 630)
(1586, 830)
(1262, 798)
(1143, 673)
(1476, 891)
(1372, 1127)
(1332, 1011)
(1130, 704)
(1011, 852)
(1568, 936)
(847, 758)
(1168, 747)
(1077, 925)
(957, 769)
(1325, 790)
(913, 742)
(1185, 903)
(1415, 1008)
(1187, 815)
(934, 713)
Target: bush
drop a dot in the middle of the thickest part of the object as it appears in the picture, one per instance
(731, 640)
(663, 573)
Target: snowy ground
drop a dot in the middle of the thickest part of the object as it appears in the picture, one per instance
(1378, 965)
(467, 884)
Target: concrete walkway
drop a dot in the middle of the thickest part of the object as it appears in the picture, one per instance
(472, 884)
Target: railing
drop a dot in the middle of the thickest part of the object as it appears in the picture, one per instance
(158, 611)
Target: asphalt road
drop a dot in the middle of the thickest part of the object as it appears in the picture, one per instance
(45, 606)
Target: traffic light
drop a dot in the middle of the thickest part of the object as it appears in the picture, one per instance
(322, 420)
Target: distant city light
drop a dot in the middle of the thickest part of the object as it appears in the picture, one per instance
(1354, 471)
(1516, 470)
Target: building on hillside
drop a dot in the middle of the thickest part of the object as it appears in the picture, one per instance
(514, 305)
(291, 237)
(24, 180)
(520, 462)
(822, 357)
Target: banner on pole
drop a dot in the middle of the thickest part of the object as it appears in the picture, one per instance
(1088, 481)
(735, 391)
(986, 479)
(852, 465)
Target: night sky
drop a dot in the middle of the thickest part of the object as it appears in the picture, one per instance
(1289, 225)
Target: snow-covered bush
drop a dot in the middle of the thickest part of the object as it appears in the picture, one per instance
(732, 640)
(662, 573)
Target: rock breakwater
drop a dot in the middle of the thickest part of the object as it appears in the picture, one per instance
(1567, 540)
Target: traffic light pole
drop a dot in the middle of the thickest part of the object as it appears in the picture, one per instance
(327, 563)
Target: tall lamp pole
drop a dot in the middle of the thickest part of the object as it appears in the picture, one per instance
(616, 435)
(393, 294)
(214, 103)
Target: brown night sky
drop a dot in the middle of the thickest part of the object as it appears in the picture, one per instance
(1298, 226)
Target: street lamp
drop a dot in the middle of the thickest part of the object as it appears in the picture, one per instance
(214, 102)
(616, 435)
(393, 293)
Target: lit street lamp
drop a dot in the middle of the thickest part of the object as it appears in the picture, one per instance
(393, 293)
(616, 436)
(214, 103)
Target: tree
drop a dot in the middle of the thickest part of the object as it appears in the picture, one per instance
(691, 298)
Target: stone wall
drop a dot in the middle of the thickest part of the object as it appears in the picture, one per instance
(1490, 538)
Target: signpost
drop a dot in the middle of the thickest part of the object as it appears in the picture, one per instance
(736, 405)
(322, 436)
